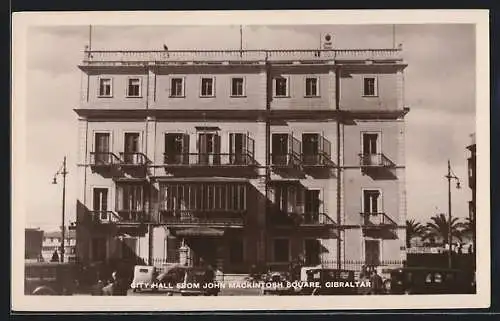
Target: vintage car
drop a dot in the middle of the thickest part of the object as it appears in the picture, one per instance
(277, 284)
(423, 280)
(173, 280)
(49, 278)
(331, 282)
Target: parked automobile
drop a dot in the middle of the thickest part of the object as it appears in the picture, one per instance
(49, 278)
(331, 282)
(423, 280)
(277, 284)
(174, 280)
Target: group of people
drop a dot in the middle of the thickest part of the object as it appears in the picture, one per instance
(370, 273)
(114, 286)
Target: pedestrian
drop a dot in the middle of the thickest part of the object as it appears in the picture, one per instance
(376, 283)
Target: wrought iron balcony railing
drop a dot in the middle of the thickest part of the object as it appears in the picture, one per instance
(212, 159)
(376, 220)
(133, 159)
(201, 217)
(104, 217)
(375, 160)
(104, 159)
(317, 160)
(285, 160)
(98, 57)
(132, 216)
(300, 219)
(119, 217)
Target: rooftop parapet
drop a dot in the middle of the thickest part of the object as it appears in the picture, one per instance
(159, 57)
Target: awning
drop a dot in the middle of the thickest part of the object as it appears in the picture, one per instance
(199, 231)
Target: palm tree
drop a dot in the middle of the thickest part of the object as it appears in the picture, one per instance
(413, 229)
(439, 227)
(469, 226)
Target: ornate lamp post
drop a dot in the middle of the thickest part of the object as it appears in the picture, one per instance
(449, 177)
(62, 171)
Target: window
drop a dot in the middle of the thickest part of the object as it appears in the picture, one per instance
(312, 87)
(177, 87)
(130, 199)
(100, 203)
(207, 87)
(241, 148)
(131, 148)
(370, 143)
(281, 250)
(101, 148)
(280, 87)
(369, 86)
(236, 251)
(288, 198)
(208, 148)
(176, 148)
(371, 201)
(226, 197)
(134, 87)
(237, 87)
(105, 89)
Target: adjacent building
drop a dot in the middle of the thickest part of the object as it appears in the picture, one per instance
(240, 158)
(52, 243)
(471, 166)
(33, 244)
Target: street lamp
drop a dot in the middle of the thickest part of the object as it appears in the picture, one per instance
(62, 171)
(450, 176)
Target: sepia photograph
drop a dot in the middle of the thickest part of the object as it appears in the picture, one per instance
(281, 159)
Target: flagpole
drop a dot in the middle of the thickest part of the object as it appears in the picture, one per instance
(90, 37)
(241, 40)
(394, 36)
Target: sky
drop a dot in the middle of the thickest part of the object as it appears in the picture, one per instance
(439, 89)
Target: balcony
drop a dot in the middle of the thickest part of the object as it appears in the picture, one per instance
(208, 160)
(133, 159)
(293, 219)
(375, 160)
(122, 217)
(317, 161)
(282, 161)
(104, 160)
(377, 221)
(377, 166)
(202, 218)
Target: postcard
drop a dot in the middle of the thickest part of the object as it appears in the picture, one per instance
(259, 160)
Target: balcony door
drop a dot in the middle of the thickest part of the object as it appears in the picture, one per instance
(312, 205)
(101, 148)
(371, 204)
(100, 203)
(176, 148)
(312, 249)
(311, 148)
(131, 148)
(372, 252)
(208, 148)
(280, 149)
(130, 201)
(237, 148)
(370, 152)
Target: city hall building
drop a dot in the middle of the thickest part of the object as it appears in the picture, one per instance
(236, 158)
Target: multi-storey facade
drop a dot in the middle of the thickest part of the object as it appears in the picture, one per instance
(238, 158)
(471, 166)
